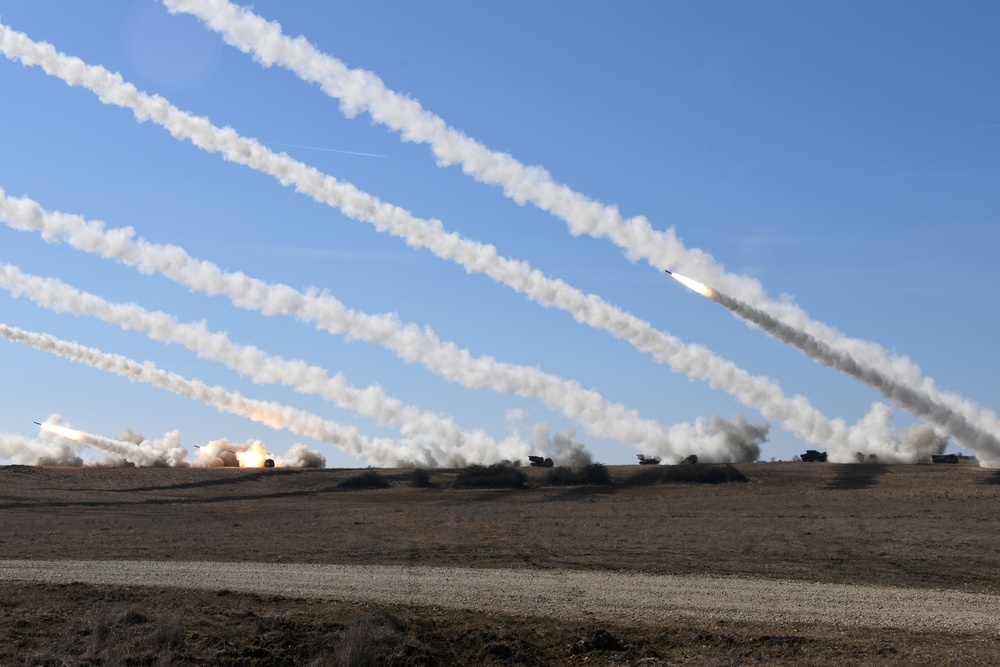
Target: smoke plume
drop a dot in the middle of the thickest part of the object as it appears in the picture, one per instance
(379, 451)
(362, 91)
(410, 342)
(261, 367)
(21, 450)
(721, 440)
(131, 448)
(950, 422)
(300, 456)
(795, 414)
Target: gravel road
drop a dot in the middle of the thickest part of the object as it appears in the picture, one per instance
(551, 593)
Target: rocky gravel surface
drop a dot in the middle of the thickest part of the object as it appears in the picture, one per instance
(564, 594)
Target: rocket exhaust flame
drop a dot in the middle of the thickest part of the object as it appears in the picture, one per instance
(690, 283)
(68, 433)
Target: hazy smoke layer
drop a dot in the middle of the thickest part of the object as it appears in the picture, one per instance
(360, 90)
(795, 414)
(985, 445)
(376, 450)
(263, 368)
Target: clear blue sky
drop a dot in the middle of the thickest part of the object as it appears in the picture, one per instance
(847, 154)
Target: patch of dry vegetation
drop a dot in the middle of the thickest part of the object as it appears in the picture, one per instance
(924, 526)
(590, 474)
(48, 625)
(495, 476)
(369, 479)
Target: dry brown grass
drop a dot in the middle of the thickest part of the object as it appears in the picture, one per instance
(924, 526)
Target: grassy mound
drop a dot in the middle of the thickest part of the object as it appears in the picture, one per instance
(369, 479)
(592, 474)
(496, 476)
(698, 473)
(421, 479)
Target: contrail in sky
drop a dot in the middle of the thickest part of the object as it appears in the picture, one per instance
(362, 91)
(380, 451)
(795, 414)
(985, 445)
(318, 148)
(460, 447)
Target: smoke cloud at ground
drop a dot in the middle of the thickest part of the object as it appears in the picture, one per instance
(46, 450)
(723, 441)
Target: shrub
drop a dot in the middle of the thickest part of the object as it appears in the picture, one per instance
(369, 479)
(700, 474)
(421, 478)
(496, 476)
(594, 473)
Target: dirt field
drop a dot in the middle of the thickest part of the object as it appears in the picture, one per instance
(930, 528)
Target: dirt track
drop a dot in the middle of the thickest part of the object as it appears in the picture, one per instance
(558, 594)
(818, 565)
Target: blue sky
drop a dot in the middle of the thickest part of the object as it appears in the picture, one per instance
(845, 154)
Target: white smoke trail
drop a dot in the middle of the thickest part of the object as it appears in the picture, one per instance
(261, 367)
(795, 414)
(379, 451)
(410, 342)
(985, 445)
(136, 450)
(372, 401)
(362, 91)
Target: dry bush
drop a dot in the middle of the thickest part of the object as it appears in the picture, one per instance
(370, 641)
(496, 476)
(421, 479)
(128, 636)
(695, 474)
(594, 473)
(369, 479)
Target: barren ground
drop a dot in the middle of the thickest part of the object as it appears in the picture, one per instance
(922, 535)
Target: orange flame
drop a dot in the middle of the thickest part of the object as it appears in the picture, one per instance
(63, 431)
(255, 456)
(698, 287)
